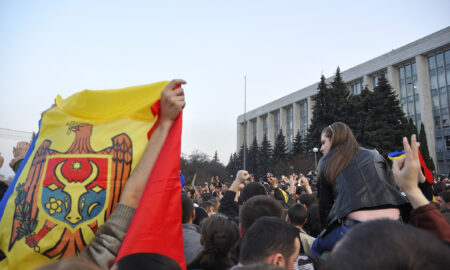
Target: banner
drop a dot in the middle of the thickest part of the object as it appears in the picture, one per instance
(74, 172)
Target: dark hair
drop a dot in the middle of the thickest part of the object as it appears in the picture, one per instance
(439, 187)
(207, 204)
(387, 244)
(307, 199)
(200, 215)
(267, 236)
(344, 147)
(297, 214)
(219, 236)
(251, 190)
(147, 261)
(261, 266)
(445, 195)
(259, 206)
(187, 207)
(313, 225)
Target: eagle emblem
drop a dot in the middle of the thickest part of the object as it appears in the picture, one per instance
(72, 189)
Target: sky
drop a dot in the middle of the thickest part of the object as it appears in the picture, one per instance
(62, 47)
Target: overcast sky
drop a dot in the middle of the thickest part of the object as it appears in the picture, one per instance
(61, 47)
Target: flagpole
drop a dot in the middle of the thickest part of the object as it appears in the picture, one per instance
(245, 123)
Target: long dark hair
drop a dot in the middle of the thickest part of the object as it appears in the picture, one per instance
(344, 149)
(219, 237)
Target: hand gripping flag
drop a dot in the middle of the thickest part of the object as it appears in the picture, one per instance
(156, 225)
(73, 173)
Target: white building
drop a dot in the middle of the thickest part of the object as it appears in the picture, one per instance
(419, 73)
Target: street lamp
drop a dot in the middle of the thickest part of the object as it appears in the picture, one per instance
(315, 150)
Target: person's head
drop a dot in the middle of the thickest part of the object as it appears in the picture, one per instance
(307, 199)
(219, 236)
(200, 215)
(209, 208)
(257, 207)
(251, 190)
(297, 215)
(387, 244)
(212, 187)
(146, 261)
(187, 209)
(190, 193)
(339, 138)
(444, 200)
(270, 240)
(439, 187)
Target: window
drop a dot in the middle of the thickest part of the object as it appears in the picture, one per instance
(409, 97)
(264, 124)
(357, 87)
(303, 118)
(253, 129)
(376, 77)
(447, 143)
(289, 127)
(276, 124)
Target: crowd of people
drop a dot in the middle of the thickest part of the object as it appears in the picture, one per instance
(357, 211)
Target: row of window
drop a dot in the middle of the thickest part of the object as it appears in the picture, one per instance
(277, 124)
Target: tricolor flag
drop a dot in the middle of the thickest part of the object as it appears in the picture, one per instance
(428, 174)
(74, 172)
(156, 225)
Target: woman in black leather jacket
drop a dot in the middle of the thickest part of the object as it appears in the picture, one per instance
(354, 185)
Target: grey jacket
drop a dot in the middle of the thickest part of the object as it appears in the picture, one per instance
(106, 243)
(191, 241)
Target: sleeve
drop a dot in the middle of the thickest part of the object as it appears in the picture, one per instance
(325, 193)
(106, 243)
(429, 218)
(228, 206)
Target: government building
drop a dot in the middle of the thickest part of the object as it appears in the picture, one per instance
(418, 72)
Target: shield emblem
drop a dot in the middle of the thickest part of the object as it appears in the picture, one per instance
(75, 188)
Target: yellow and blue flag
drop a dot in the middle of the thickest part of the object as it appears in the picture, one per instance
(73, 173)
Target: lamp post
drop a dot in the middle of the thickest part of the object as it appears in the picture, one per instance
(315, 150)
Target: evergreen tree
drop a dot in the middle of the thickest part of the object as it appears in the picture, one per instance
(340, 94)
(230, 168)
(264, 157)
(320, 116)
(252, 161)
(279, 149)
(240, 158)
(330, 105)
(385, 124)
(357, 112)
(424, 149)
(297, 145)
(215, 159)
(412, 129)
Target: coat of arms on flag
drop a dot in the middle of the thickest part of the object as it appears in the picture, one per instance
(74, 172)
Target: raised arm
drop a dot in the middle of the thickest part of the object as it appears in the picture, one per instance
(172, 102)
(425, 215)
(104, 247)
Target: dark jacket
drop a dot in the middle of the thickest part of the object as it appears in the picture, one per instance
(366, 183)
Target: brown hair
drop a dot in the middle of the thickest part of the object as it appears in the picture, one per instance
(344, 146)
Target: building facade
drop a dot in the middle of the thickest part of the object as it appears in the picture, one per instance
(418, 72)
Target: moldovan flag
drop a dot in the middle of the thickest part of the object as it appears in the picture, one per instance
(73, 173)
(156, 225)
